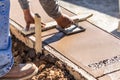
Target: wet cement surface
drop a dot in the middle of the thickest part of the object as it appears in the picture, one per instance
(87, 48)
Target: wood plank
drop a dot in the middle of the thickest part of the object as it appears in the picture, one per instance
(38, 34)
(29, 41)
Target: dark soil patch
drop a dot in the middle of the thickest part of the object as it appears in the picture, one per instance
(50, 68)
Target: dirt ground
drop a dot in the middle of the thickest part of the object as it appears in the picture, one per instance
(50, 68)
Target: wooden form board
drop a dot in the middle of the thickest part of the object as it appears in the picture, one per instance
(92, 46)
(112, 76)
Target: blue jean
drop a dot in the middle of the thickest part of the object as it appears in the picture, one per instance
(6, 58)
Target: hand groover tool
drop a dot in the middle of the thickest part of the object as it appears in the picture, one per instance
(72, 29)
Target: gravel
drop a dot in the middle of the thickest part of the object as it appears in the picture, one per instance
(50, 68)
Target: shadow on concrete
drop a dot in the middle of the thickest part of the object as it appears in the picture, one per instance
(56, 37)
(109, 7)
(116, 33)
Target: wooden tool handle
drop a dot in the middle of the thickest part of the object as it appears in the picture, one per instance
(38, 42)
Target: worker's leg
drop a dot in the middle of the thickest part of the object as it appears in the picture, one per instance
(53, 10)
(7, 71)
(6, 59)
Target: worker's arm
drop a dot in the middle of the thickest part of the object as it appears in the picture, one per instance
(27, 16)
(24, 4)
(52, 9)
(50, 6)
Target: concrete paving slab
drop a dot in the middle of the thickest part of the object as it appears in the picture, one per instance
(87, 48)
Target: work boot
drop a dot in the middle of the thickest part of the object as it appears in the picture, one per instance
(21, 72)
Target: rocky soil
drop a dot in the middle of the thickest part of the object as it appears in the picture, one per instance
(50, 68)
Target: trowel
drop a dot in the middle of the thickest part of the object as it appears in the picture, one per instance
(72, 29)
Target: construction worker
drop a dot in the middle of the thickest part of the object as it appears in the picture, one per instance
(52, 9)
(7, 68)
(22, 71)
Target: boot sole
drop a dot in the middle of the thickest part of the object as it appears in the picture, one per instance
(27, 77)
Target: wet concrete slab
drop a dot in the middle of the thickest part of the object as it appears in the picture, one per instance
(92, 50)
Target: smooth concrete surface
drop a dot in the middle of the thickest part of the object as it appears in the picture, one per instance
(88, 47)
